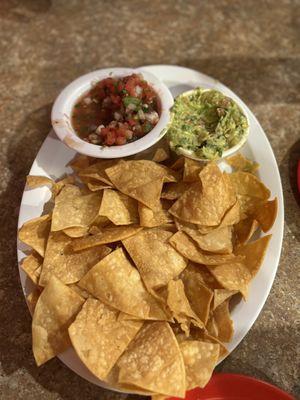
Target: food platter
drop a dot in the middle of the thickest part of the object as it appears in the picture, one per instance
(54, 156)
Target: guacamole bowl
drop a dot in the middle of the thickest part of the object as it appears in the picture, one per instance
(207, 125)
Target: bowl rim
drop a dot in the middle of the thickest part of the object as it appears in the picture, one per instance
(227, 153)
(64, 103)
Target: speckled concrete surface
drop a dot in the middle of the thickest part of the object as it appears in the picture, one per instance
(252, 46)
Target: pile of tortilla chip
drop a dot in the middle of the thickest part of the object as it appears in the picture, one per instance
(137, 263)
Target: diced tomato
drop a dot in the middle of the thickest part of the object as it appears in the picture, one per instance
(120, 140)
(131, 122)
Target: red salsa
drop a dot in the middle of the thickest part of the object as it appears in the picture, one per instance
(116, 111)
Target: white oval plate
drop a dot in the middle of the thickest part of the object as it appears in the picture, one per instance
(53, 157)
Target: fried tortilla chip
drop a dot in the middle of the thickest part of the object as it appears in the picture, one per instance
(189, 249)
(32, 266)
(241, 163)
(154, 217)
(69, 266)
(161, 154)
(116, 282)
(173, 191)
(254, 253)
(198, 295)
(200, 334)
(153, 361)
(74, 209)
(83, 293)
(244, 230)
(32, 299)
(55, 310)
(232, 276)
(33, 181)
(191, 170)
(247, 184)
(139, 179)
(76, 231)
(266, 214)
(200, 359)
(180, 306)
(35, 233)
(222, 322)
(119, 208)
(220, 295)
(154, 257)
(99, 338)
(206, 201)
(95, 186)
(106, 235)
(80, 162)
(96, 171)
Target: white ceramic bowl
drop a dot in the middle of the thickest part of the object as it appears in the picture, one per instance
(63, 106)
(226, 153)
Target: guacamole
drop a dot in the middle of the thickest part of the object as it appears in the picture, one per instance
(207, 123)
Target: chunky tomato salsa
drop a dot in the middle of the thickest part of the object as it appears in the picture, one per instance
(116, 111)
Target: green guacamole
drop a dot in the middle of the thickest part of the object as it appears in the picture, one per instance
(206, 123)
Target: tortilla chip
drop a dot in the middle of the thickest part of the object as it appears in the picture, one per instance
(223, 322)
(248, 205)
(153, 361)
(32, 266)
(80, 162)
(241, 163)
(205, 202)
(200, 359)
(254, 253)
(205, 337)
(189, 249)
(107, 235)
(69, 266)
(154, 257)
(191, 170)
(246, 184)
(99, 338)
(220, 295)
(172, 191)
(154, 217)
(95, 186)
(161, 154)
(83, 293)
(266, 214)
(76, 231)
(119, 208)
(96, 171)
(180, 307)
(197, 293)
(232, 276)
(32, 299)
(33, 181)
(55, 310)
(244, 230)
(116, 282)
(35, 233)
(139, 179)
(216, 241)
(74, 209)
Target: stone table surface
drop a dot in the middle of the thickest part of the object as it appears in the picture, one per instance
(252, 46)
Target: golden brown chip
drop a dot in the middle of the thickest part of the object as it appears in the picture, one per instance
(241, 163)
(205, 337)
(172, 191)
(245, 229)
(220, 295)
(55, 310)
(106, 235)
(35, 233)
(189, 249)
(96, 171)
(99, 338)
(248, 204)
(140, 179)
(95, 186)
(216, 241)
(254, 253)
(200, 359)
(180, 307)
(76, 231)
(232, 276)
(80, 162)
(74, 209)
(191, 170)
(32, 266)
(198, 294)
(154, 217)
(119, 208)
(161, 154)
(246, 184)
(83, 293)
(206, 201)
(33, 181)
(222, 323)
(266, 214)
(153, 361)
(32, 299)
(69, 266)
(154, 257)
(116, 282)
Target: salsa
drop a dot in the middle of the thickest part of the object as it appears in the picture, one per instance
(116, 111)
(207, 123)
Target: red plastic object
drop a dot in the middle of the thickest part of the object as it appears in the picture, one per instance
(298, 176)
(237, 387)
